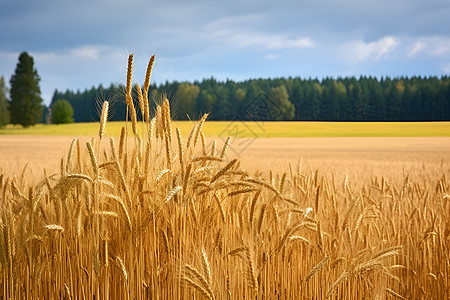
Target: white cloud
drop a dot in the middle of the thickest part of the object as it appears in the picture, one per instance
(417, 48)
(434, 46)
(78, 54)
(245, 32)
(359, 51)
(259, 40)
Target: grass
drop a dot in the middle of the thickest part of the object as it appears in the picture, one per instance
(257, 129)
(169, 216)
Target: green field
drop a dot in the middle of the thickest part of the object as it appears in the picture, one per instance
(258, 129)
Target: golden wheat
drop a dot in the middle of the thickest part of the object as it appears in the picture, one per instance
(134, 222)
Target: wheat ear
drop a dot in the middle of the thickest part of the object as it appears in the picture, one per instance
(103, 118)
(141, 100)
(128, 97)
(225, 148)
(146, 87)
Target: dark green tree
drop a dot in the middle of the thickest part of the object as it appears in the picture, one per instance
(62, 112)
(25, 105)
(4, 112)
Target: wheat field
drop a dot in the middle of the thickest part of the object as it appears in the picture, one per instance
(166, 216)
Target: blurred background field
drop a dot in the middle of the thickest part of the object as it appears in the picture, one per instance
(358, 157)
(242, 129)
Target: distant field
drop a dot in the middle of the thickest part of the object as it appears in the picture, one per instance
(359, 157)
(259, 129)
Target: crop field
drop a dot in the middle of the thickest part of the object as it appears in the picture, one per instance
(240, 129)
(193, 214)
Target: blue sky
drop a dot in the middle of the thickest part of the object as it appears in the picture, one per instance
(80, 44)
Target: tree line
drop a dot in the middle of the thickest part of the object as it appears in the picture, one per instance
(330, 99)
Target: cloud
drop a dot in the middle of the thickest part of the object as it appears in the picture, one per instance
(429, 46)
(359, 51)
(247, 31)
(263, 41)
(417, 48)
(78, 54)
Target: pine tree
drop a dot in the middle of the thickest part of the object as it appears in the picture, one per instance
(25, 105)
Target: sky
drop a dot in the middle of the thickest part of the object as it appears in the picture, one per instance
(84, 43)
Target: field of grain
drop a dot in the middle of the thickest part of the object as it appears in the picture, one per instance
(166, 215)
(247, 129)
(358, 158)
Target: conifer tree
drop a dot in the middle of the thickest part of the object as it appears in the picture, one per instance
(25, 104)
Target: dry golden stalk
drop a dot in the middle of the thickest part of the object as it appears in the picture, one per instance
(299, 238)
(192, 276)
(129, 74)
(146, 87)
(132, 112)
(251, 273)
(79, 164)
(173, 193)
(122, 142)
(191, 135)
(186, 178)
(261, 217)
(282, 181)
(165, 241)
(206, 268)
(159, 123)
(199, 127)
(167, 119)
(202, 136)
(393, 293)
(317, 267)
(70, 154)
(123, 210)
(253, 206)
(213, 149)
(122, 268)
(224, 170)
(93, 159)
(220, 206)
(103, 118)
(198, 286)
(180, 147)
(105, 252)
(162, 173)
(54, 227)
(67, 290)
(336, 284)
(141, 100)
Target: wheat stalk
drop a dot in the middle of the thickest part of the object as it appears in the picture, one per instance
(146, 87)
(103, 118)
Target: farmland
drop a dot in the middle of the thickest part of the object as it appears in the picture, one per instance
(358, 157)
(359, 211)
(258, 129)
(376, 173)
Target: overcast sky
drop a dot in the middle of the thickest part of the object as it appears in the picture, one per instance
(80, 44)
